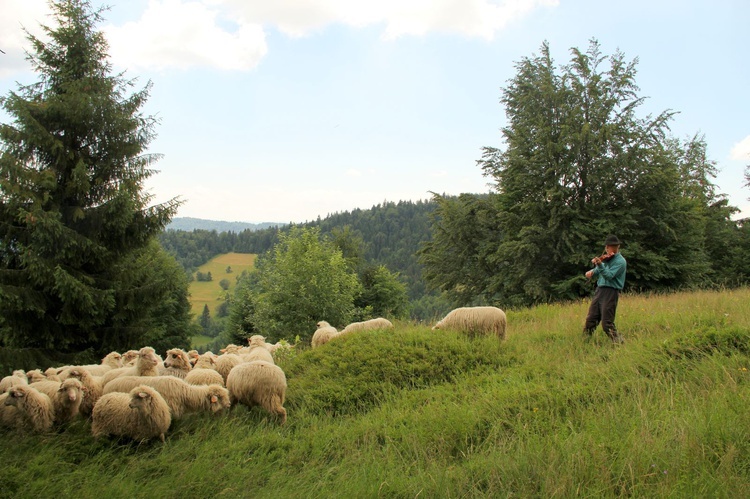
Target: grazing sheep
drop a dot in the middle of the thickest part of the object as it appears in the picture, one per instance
(181, 397)
(257, 350)
(323, 334)
(113, 360)
(18, 377)
(9, 416)
(141, 414)
(129, 358)
(204, 373)
(66, 397)
(51, 374)
(225, 363)
(475, 320)
(259, 383)
(368, 325)
(147, 364)
(92, 387)
(34, 408)
(35, 375)
(193, 356)
(177, 364)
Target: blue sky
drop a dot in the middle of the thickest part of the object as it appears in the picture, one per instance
(287, 110)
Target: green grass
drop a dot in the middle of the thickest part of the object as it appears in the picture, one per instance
(417, 413)
(210, 292)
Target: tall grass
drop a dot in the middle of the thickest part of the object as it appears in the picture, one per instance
(417, 413)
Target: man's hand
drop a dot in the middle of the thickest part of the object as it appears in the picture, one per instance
(589, 274)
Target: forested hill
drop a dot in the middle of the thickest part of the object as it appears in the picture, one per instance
(392, 233)
(190, 224)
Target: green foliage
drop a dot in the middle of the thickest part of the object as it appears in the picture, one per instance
(352, 376)
(302, 281)
(580, 164)
(73, 213)
(383, 294)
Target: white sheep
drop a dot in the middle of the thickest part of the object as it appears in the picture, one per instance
(475, 320)
(34, 409)
(181, 397)
(176, 364)
(92, 387)
(203, 372)
(66, 397)
(225, 363)
(18, 377)
(259, 383)
(147, 364)
(129, 358)
(257, 350)
(193, 356)
(113, 360)
(323, 334)
(35, 375)
(368, 325)
(141, 414)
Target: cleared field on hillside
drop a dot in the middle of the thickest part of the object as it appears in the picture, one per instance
(209, 292)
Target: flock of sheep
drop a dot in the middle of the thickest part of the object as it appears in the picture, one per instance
(138, 394)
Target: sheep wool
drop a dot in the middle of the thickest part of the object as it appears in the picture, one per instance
(92, 388)
(257, 350)
(259, 383)
(181, 397)
(66, 397)
(323, 334)
(475, 320)
(368, 325)
(113, 360)
(147, 364)
(17, 377)
(203, 373)
(141, 414)
(34, 408)
(225, 363)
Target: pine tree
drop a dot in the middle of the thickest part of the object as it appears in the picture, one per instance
(73, 214)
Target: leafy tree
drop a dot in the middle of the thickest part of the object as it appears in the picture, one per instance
(240, 321)
(224, 284)
(579, 164)
(73, 214)
(459, 258)
(302, 281)
(229, 269)
(383, 294)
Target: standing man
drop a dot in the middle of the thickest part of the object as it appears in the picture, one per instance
(609, 269)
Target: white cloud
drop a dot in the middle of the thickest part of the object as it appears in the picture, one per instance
(172, 33)
(353, 172)
(741, 150)
(16, 15)
(229, 34)
(480, 18)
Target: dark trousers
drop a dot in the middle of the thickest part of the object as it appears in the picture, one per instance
(603, 309)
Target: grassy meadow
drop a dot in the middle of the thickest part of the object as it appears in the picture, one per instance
(209, 292)
(416, 413)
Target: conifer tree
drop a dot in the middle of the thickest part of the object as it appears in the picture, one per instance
(74, 218)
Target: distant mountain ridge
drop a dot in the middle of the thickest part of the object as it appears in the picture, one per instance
(189, 224)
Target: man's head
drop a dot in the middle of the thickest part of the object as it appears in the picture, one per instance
(612, 244)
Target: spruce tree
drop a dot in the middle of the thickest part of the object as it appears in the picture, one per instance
(74, 218)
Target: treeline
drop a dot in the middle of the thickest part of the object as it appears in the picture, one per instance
(390, 234)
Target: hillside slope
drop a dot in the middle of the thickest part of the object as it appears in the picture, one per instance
(417, 413)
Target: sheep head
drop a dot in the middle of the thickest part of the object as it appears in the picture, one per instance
(72, 387)
(218, 398)
(15, 393)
